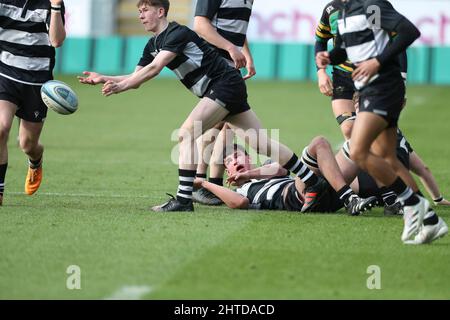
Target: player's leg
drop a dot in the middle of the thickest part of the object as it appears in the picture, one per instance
(344, 111)
(433, 226)
(320, 152)
(206, 144)
(204, 116)
(342, 101)
(29, 133)
(247, 126)
(7, 111)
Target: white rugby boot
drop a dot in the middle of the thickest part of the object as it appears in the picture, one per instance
(413, 218)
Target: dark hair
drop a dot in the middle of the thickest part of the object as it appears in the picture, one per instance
(165, 4)
(228, 151)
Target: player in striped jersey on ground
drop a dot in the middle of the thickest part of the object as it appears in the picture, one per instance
(220, 87)
(269, 188)
(29, 32)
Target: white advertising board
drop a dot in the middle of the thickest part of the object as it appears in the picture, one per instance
(296, 20)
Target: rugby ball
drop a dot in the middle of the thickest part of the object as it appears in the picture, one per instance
(59, 97)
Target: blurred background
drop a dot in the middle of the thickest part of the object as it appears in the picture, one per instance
(106, 36)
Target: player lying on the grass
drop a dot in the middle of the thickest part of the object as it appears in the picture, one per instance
(220, 87)
(268, 187)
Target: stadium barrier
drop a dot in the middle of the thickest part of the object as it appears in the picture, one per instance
(283, 61)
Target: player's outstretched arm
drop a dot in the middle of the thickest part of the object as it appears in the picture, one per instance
(232, 199)
(139, 77)
(427, 178)
(94, 78)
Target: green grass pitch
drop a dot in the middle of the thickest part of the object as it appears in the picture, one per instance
(105, 165)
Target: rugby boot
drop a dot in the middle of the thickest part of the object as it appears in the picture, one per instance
(313, 194)
(356, 205)
(204, 196)
(33, 180)
(413, 218)
(173, 205)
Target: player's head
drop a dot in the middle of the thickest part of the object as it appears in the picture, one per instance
(236, 159)
(151, 11)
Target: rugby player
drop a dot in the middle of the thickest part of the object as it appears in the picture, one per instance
(29, 33)
(220, 87)
(268, 187)
(379, 80)
(223, 24)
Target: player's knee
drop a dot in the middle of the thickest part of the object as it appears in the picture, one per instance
(346, 129)
(185, 135)
(319, 142)
(359, 157)
(4, 133)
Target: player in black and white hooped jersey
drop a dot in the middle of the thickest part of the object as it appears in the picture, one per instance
(223, 23)
(268, 187)
(220, 87)
(364, 29)
(29, 32)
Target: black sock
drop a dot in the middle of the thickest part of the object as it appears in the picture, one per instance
(344, 193)
(35, 163)
(3, 168)
(201, 175)
(404, 193)
(218, 181)
(186, 184)
(388, 196)
(430, 218)
(301, 170)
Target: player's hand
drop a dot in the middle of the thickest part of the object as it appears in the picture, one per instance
(322, 59)
(56, 2)
(366, 70)
(238, 57)
(91, 78)
(325, 84)
(111, 87)
(443, 202)
(251, 71)
(238, 179)
(198, 183)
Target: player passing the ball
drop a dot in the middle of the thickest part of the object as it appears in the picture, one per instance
(220, 87)
(29, 32)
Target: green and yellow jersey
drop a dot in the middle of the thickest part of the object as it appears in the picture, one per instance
(327, 29)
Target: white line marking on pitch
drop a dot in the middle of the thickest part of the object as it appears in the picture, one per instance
(87, 195)
(130, 293)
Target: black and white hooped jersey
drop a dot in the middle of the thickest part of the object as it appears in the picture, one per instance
(229, 17)
(266, 193)
(26, 54)
(365, 29)
(196, 63)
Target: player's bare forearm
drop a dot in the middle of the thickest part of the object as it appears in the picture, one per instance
(57, 32)
(206, 30)
(232, 199)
